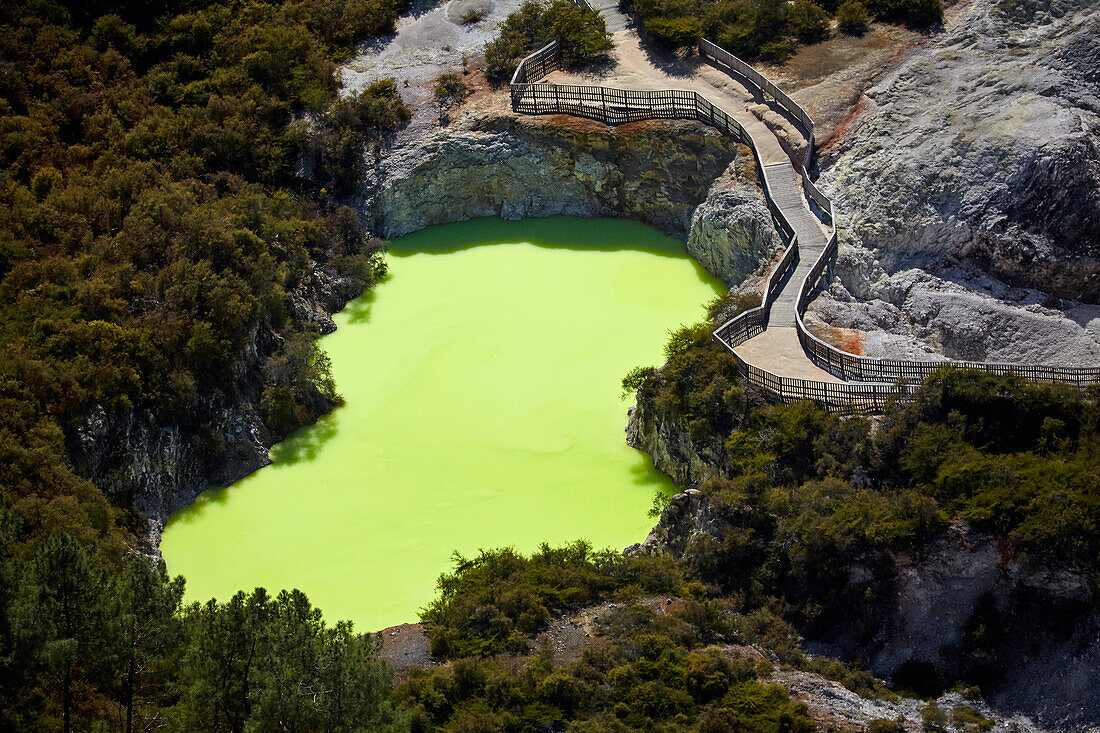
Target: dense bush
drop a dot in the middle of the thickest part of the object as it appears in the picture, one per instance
(151, 225)
(917, 13)
(583, 36)
(498, 600)
(767, 29)
(85, 648)
(652, 671)
(807, 21)
(852, 17)
(807, 495)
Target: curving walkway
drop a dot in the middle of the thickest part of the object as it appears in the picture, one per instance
(774, 350)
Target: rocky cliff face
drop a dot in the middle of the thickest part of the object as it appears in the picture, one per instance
(731, 231)
(671, 448)
(157, 464)
(497, 164)
(967, 608)
(969, 188)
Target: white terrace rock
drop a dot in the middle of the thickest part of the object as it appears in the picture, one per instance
(969, 191)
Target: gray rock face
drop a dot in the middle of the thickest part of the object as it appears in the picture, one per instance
(517, 168)
(159, 464)
(157, 467)
(670, 447)
(977, 163)
(731, 232)
(320, 294)
(687, 517)
(967, 578)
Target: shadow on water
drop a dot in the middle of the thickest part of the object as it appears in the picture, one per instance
(358, 310)
(553, 232)
(305, 444)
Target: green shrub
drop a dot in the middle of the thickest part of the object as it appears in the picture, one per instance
(583, 36)
(473, 15)
(885, 725)
(807, 21)
(675, 32)
(776, 51)
(648, 672)
(966, 718)
(498, 600)
(934, 718)
(916, 13)
(852, 17)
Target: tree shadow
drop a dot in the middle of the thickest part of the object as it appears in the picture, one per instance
(359, 309)
(305, 444)
(553, 232)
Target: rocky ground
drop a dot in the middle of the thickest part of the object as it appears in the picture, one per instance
(968, 182)
(430, 40)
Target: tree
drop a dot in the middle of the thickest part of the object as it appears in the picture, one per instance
(223, 665)
(319, 678)
(144, 629)
(807, 21)
(582, 35)
(259, 663)
(298, 385)
(57, 618)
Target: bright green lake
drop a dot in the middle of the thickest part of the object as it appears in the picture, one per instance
(482, 410)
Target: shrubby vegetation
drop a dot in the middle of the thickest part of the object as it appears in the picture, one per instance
(495, 602)
(154, 219)
(852, 17)
(808, 495)
(769, 29)
(583, 36)
(652, 671)
(152, 223)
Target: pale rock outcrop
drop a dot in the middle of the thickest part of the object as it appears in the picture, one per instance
(731, 232)
(969, 192)
(519, 168)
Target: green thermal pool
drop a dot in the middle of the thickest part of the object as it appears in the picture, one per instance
(482, 410)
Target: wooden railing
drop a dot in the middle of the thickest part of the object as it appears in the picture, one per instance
(872, 383)
(761, 83)
(536, 66)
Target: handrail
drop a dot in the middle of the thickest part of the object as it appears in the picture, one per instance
(765, 86)
(878, 380)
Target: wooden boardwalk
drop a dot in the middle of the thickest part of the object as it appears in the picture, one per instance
(774, 350)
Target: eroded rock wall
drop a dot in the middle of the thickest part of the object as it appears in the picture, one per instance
(516, 168)
(158, 464)
(969, 189)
